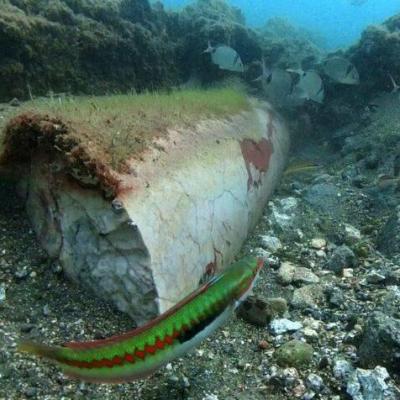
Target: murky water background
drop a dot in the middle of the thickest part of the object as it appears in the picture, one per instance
(339, 21)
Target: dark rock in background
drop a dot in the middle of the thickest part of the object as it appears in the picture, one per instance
(381, 343)
(341, 258)
(389, 236)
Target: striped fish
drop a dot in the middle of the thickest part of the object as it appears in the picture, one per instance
(138, 353)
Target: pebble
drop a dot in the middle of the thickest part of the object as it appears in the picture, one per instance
(2, 293)
(22, 273)
(318, 243)
(271, 243)
(304, 275)
(210, 397)
(46, 310)
(283, 325)
(342, 369)
(348, 273)
(375, 277)
(310, 334)
(314, 382)
(320, 253)
(270, 260)
(255, 311)
(352, 234)
(14, 102)
(286, 272)
(294, 353)
(341, 258)
(26, 328)
(263, 345)
(290, 377)
(307, 296)
(276, 307)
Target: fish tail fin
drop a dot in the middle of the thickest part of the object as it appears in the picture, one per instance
(42, 350)
(396, 87)
(265, 71)
(209, 48)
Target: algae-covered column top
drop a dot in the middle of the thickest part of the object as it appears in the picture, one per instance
(97, 135)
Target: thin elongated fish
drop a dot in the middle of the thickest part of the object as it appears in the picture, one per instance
(138, 353)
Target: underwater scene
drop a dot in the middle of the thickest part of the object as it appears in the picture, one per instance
(200, 199)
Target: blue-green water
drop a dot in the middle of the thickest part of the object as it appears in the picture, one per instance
(340, 22)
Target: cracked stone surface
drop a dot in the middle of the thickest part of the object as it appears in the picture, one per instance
(182, 212)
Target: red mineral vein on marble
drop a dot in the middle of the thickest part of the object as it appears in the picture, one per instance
(259, 153)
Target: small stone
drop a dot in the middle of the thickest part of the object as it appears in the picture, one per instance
(276, 307)
(2, 294)
(352, 234)
(375, 277)
(294, 354)
(271, 243)
(309, 395)
(341, 258)
(393, 277)
(342, 369)
(299, 390)
(304, 275)
(335, 296)
(314, 382)
(260, 312)
(362, 249)
(57, 268)
(348, 272)
(210, 397)
(186, 383)
(14, 102)
(46, 310)
(318, 243)
(307, 296)
(286, 272)
(30, 392)
(270, 260)
(290, 377)
(263, 344)
(173, 379)
(310, 334)
(320, 253)
(117, 206)
(26, 328)
(254, 311)
(283, 325)
(21, 274)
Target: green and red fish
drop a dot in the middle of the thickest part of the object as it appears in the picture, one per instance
(138, 353)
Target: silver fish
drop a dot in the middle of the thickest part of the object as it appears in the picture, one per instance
(309, 87)
(225, 57)
(341, 70)
(277, 84)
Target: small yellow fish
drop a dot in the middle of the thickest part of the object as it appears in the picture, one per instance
(300, 167)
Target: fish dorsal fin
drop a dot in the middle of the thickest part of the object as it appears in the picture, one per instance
(396, 87)
(135, 332)
(209, 49)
